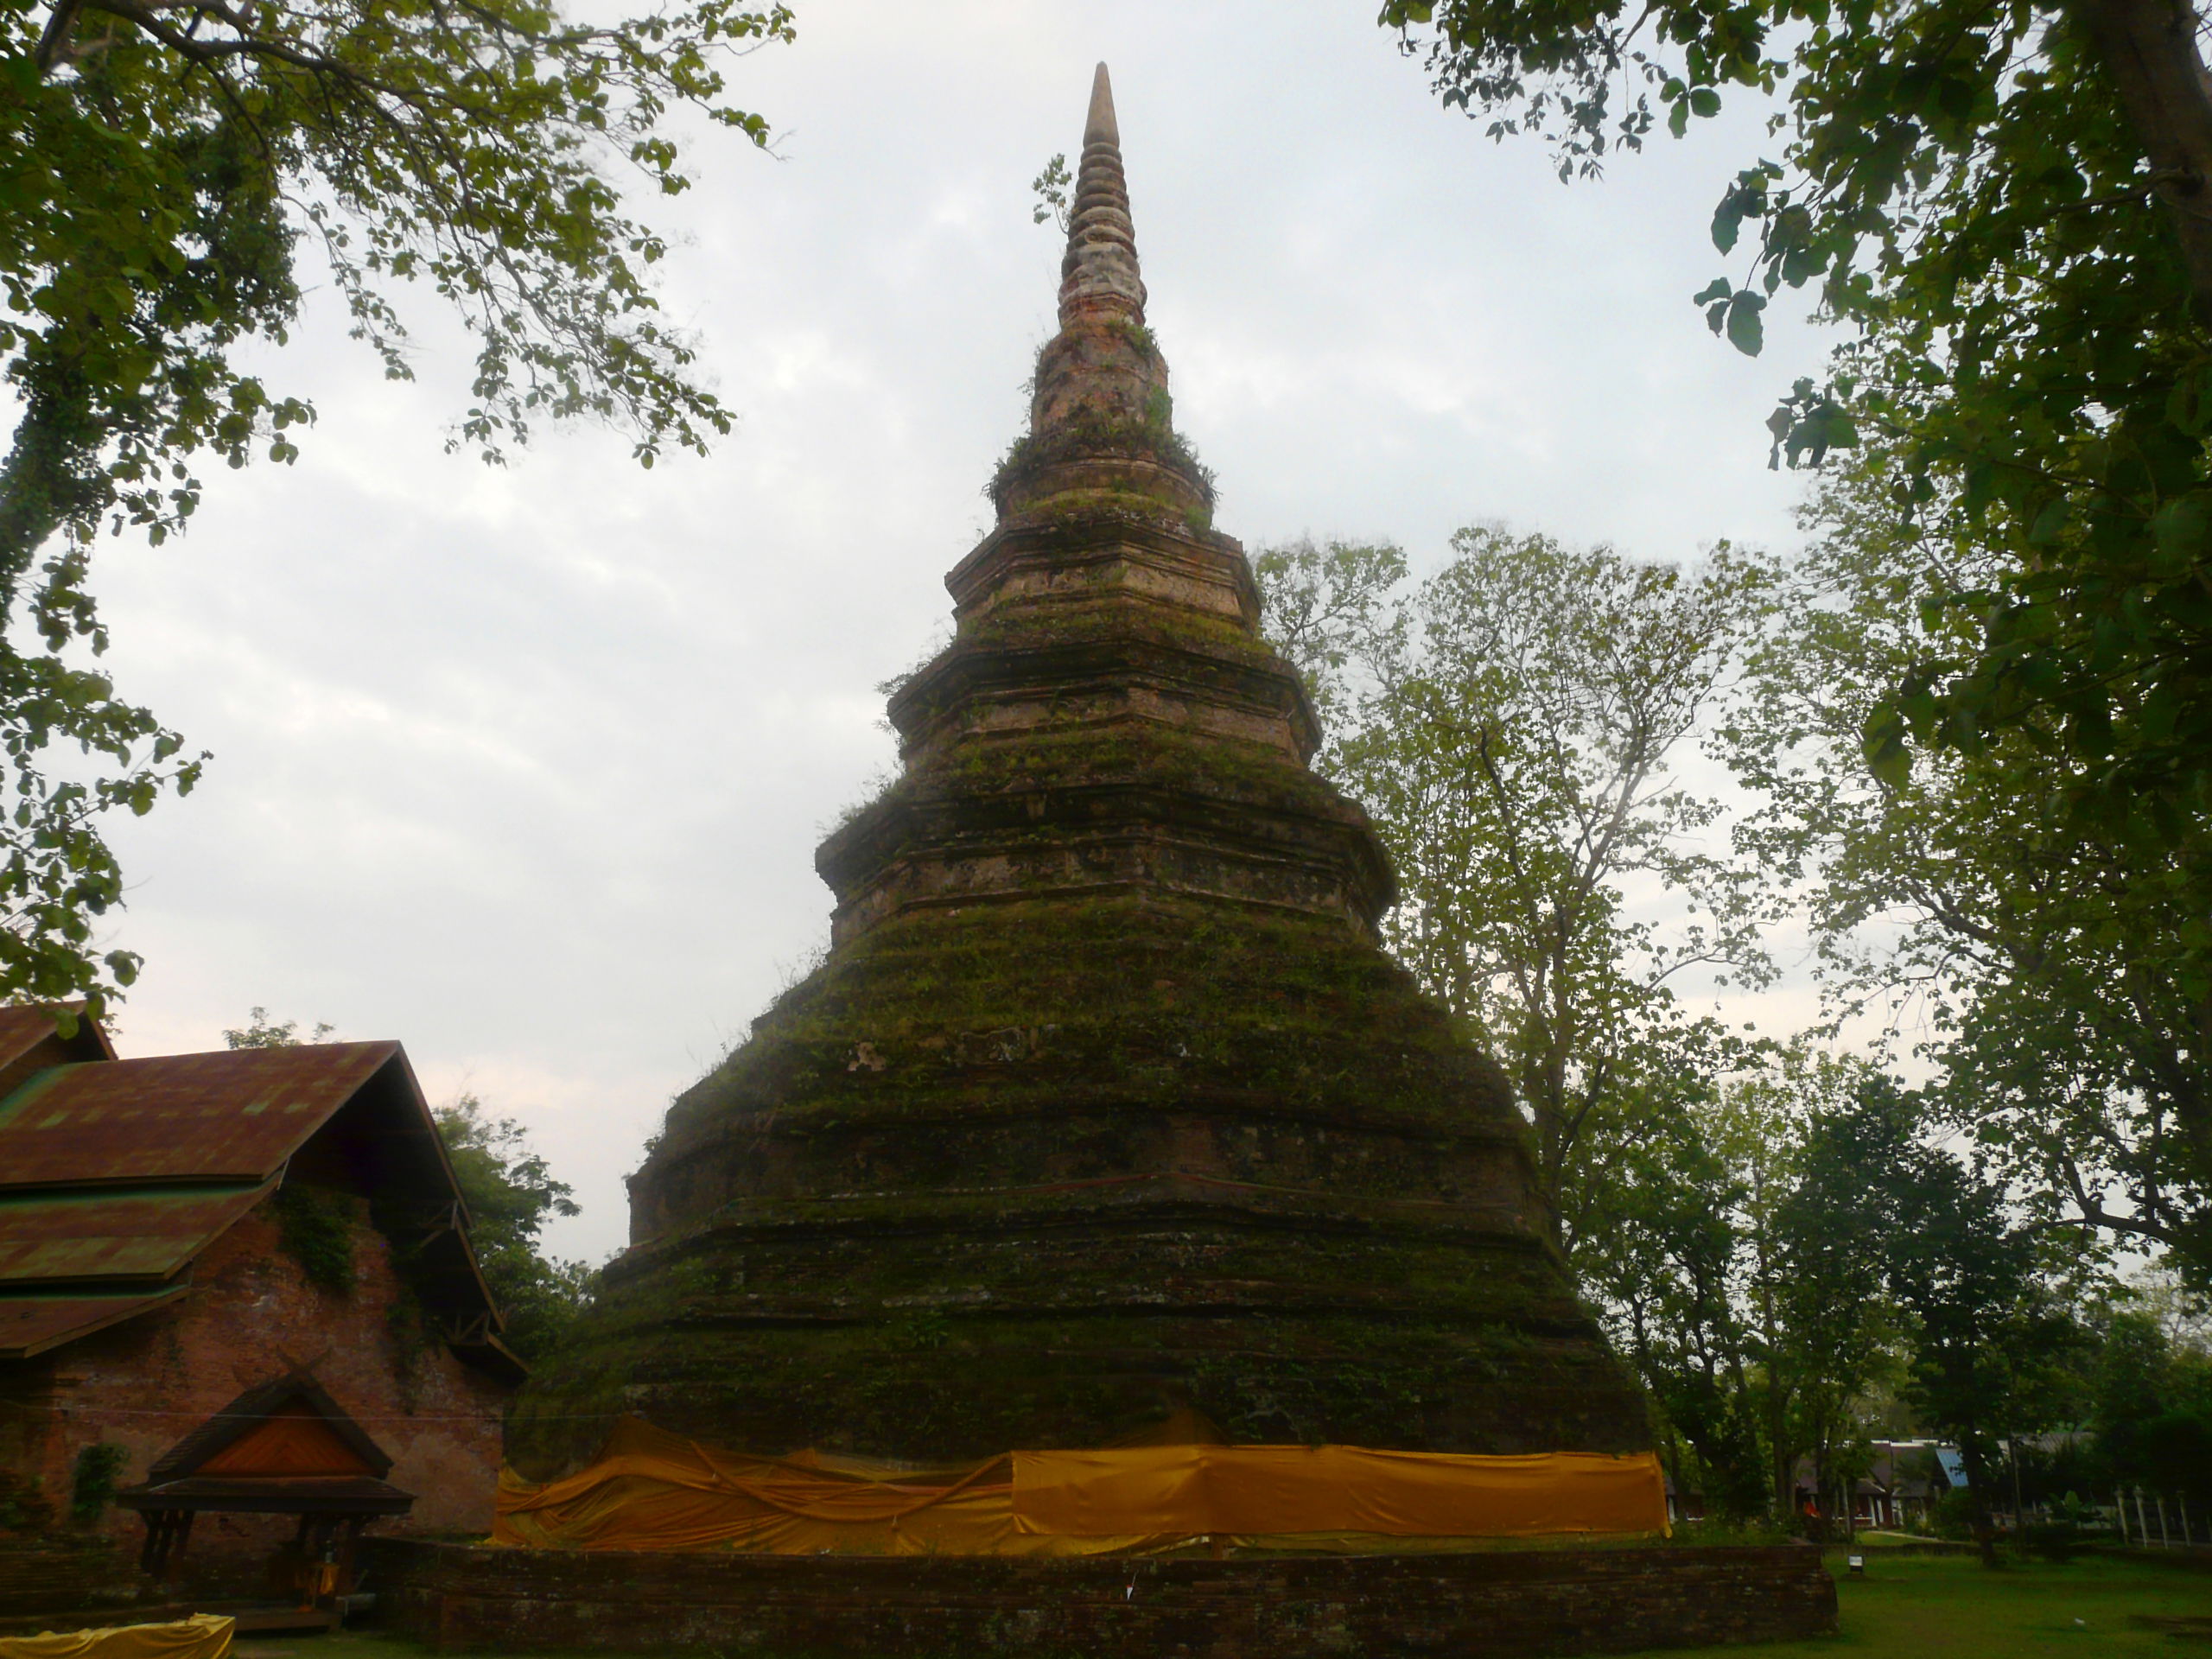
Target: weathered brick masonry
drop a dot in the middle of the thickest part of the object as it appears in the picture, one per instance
(249, 1313)
(75, 1573)
(177, 1230)
(1106, 1105)
(1507, 1602)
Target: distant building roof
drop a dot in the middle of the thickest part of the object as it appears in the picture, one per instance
(114, 1175)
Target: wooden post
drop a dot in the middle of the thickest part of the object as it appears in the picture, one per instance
(2120, 1512)
(2181, 1499)
(2165, 1542)
(348, 1554)
(2012, 1456)
(2142, 1527)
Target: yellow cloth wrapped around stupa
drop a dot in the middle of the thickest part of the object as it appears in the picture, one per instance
(649, 1490)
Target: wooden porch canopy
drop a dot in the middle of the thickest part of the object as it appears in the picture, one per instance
(284, 1448)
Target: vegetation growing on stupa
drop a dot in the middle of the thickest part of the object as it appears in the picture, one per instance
(1105, 1103)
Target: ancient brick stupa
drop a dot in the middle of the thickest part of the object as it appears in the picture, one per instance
(1106, 1110)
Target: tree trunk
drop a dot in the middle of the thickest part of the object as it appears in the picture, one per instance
(2149, 48)
(1977, 1468)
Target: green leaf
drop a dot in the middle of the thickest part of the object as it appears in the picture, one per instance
(1746, 333)
(2181, 530)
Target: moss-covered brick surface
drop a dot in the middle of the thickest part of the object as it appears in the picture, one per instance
(961, 1381)
(1150, 1001)
(1520, 1602)
(1037, 1173)
(1105, 1102)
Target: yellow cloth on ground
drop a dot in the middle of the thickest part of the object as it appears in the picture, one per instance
(649, 1490)
(204, 1636)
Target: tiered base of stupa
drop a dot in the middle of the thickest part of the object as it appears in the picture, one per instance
(1106, 1106)
(1039, 1174)
(1107, 1123)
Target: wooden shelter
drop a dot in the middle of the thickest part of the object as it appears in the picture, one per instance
(177, 1228)
(284, 1448)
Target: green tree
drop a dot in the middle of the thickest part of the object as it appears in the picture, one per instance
(1987, 1302)
(1669, 1258)
(1741, 1278)
(2053, 962)
(2005, 210)
(1338, 611)
(160, 167)
(512, 1194)
(1512, 724)
(261, 1031)
(1833, 1328)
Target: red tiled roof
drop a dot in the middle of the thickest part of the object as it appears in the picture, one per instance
(51, 1238)
(231, 1116)
(31, 1325)
(115, 1174)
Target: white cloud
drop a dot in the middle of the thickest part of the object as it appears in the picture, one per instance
(525, 766)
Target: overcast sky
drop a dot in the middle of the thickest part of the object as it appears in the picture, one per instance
(526, 768)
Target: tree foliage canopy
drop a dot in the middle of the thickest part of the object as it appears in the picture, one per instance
(512, 1193)
(2008, 209)
(2055, 965)
(1514, 724)
(166, 167)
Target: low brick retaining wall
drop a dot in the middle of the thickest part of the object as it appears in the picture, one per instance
(1502, 1603)
(34, 1579)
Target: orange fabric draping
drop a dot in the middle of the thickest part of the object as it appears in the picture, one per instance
(204, 1636)
(1313, 1489)
(649, 1490)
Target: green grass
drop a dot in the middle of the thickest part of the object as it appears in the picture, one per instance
(1906, 1607)
(1935, 1607)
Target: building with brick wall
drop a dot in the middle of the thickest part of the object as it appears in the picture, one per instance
(175, 1230)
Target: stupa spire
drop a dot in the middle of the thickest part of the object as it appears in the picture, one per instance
(1105, 1075)
(1098, 276)
(1101, 422)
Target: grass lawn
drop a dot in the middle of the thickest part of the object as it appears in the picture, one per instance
(1948, 1607)
(1912, 1607)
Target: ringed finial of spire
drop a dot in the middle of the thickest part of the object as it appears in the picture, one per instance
(1098, 276)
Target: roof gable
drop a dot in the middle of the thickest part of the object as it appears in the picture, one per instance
(31, 1038)
(291, 1419)
(293, 1441)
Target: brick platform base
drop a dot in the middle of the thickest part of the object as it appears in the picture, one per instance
(1509, 1601)
(78, 1573)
